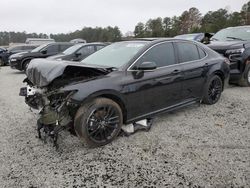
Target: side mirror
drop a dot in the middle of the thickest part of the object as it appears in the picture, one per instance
(44, 51)
(147, 66)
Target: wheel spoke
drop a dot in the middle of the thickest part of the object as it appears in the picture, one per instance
(102, 123)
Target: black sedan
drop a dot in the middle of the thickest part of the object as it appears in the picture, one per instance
(123, 83)
(79, 51)
(20, 61)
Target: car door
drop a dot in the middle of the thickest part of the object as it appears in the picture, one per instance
(157, 89)
(191, 57)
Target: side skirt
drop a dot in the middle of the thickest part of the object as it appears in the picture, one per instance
(164, 110)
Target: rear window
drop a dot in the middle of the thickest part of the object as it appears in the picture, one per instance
(187, 52)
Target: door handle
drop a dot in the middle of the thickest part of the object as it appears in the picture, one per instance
(176, 71)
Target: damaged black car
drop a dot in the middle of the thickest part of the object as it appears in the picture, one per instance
(121, 84)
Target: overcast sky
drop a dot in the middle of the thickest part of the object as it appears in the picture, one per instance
(63, 16)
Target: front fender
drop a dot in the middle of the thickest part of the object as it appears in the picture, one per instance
(92, 89)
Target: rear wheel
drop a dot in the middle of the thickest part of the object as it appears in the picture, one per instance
(245, 80)
(98, 122)
(213, 90)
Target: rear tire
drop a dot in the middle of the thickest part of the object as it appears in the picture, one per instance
(98, 122)
(213, 90)
(245, 80)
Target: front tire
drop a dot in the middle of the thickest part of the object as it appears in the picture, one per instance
(99, 122)
(213, 90)
(245, 80)
(25, 65)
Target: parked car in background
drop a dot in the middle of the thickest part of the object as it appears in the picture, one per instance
(4, 56)
(200, 37)
(123, 83)
(234, 43)
(20, 61)
(2, 49)
(78, 52)
(76, 41)
(38, 41)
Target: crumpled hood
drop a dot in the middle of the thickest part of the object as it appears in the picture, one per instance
(41, 72)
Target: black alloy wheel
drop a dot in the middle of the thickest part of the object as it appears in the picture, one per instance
(103, 123)
(98, 122)
(213, 90)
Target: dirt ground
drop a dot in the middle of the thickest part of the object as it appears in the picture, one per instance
(198, 146)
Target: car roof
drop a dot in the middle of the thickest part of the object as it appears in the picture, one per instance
(156, 40)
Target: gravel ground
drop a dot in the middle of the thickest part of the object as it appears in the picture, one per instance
(198, 146)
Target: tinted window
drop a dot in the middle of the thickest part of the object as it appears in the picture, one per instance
(162, 55)
(187, 52)
(52, 49)
(87, 50)
(202, 53)
(99, 47)
(65, 46)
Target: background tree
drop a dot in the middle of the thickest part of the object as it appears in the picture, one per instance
(139, 30)
(245, 13)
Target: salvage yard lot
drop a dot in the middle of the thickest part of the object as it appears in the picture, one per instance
(195, 146)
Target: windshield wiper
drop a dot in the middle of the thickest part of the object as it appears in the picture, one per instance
(235, 38)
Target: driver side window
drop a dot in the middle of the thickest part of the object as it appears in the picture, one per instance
(162, 55)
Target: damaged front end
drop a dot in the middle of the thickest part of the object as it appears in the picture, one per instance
(55, 111)
(44, 93)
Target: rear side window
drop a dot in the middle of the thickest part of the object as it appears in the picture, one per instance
(202, 53)
(86, 50)
(64, 47)
(99, 47)
(52, 49)
(162, 55)
(187, 52)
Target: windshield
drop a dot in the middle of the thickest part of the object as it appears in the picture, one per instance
(188, 36)
(229, 34)
(115, 55)
(39, 48)
(72, 49)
